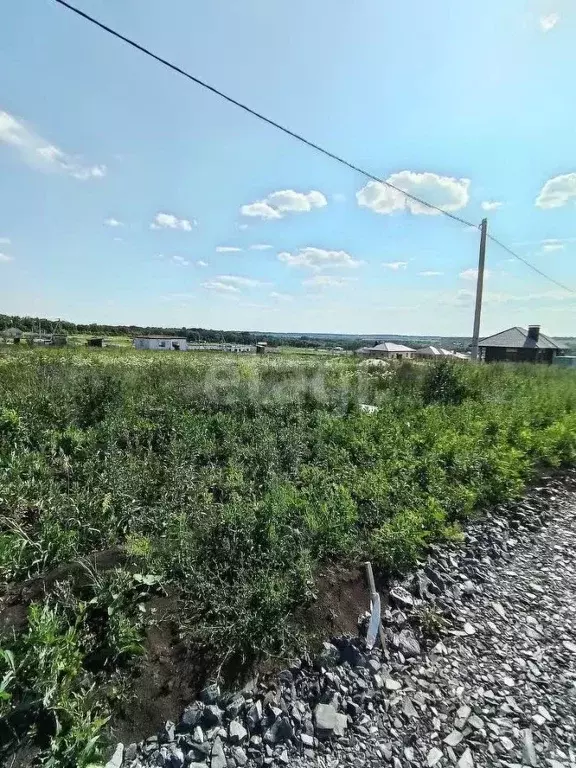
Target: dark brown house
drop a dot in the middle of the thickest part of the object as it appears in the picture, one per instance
(518, 345)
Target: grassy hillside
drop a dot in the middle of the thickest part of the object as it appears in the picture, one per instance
(206, 491)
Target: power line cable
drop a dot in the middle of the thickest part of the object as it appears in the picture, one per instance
(295, 135)
(259, 115)
(530, 265)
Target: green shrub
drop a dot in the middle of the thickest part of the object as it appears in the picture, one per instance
(230, 483)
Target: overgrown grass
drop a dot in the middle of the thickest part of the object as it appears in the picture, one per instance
(226, 482)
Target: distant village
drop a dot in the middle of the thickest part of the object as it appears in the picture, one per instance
(514, 344)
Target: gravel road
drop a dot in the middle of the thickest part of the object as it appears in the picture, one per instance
(479, 667)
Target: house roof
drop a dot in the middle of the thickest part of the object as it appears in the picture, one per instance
(390, 346)
(517, 338)
(159, 336)
(435, 351)
(12, 332)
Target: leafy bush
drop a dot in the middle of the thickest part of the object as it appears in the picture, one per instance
(229, 482)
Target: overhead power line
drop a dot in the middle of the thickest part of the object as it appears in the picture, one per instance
(528, 264)
(293, 134)
(259, 115)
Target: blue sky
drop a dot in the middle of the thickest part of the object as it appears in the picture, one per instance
(124, 187)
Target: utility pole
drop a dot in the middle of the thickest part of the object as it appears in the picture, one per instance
(479, 289)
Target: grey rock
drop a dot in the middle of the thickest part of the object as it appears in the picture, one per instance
(235, 706)
(464, 712)
(176, 757)
(236, 732)
(420, 585)
(329, 721)
(387, 751)
(130, 752)
(434, 756)
(436, 579)
(217, 756)
(254, 716)
(498, 607)
(476, 722)
(466, 759)
(198, 734)
(239, 756)
(281, 730)
(211, 716)
(191, 717)
(166, 734)
(210, 694)
(454, 738)
(328, 657)
(401, 597)
(307, 741)
(408, 708)
(408, 644)
(392, 685)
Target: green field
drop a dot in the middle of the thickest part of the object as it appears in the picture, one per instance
(220, 485)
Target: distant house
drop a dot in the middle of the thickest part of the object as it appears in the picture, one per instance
(433, 352)
(439, 353)
(165, 343)
(520, 346)
(387, 349)
(97, 342)
(13, 333)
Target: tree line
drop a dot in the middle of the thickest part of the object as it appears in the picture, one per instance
(208, 335)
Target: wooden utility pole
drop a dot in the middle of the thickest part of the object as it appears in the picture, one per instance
(479, 289)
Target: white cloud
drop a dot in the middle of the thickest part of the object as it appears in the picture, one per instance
(506, 298)
(180, 260)
(169, 221)
(395, 265)
(284, 201)
(328, 281)
(260, 210)
(549, 22)
(111, 222)
(40, 154)
(201, 263)
(247, 282)
(5, 241)
(462, 298)
(430, 273)
(472, 274)
(557, 191)
(446, 193)
(261, 247)
(548, 246)
(281, 296)
(227, 249)
(550, 240)
(4, 258)
(318, 258)
(491, 205)
(219, 287)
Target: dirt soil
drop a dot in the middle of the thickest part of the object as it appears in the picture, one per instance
(172, 675)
